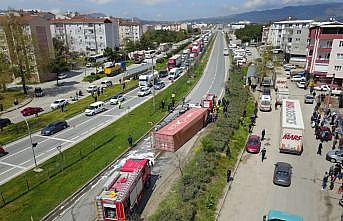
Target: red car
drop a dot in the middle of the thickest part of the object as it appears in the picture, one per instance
(3, 151)
(253, 144)
(324, 133)
(28, 111)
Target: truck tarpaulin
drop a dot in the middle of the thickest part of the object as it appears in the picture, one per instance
(292, 127)
(180, 130)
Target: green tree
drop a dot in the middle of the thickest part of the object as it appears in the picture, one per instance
(5, 70)
(249, 32)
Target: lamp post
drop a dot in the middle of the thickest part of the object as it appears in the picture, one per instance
(153, 89)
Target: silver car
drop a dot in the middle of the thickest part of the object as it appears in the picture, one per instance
(335, 156)
(282, 174)
(309, 99)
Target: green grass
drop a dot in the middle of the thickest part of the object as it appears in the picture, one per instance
(7, 98)
(85, 159)
(17, 130)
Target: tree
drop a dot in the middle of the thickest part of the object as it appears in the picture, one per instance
(249, 33)
(59, 64)
(5, 70)
(21, 47)
(112, 55)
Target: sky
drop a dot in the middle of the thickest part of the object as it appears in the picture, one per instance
(160, 10)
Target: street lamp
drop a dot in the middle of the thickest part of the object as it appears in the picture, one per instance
(153, 89)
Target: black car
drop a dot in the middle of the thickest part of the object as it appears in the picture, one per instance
(282, 174)
(38, 92)
(162, 73)
(159, 85)
(266, 91)
(54, 127)
(4, 122)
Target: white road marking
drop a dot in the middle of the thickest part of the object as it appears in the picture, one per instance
(12, 165)
(56, 138)
(75, 137)
(107, 115)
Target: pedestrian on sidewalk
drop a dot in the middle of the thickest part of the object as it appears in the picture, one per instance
(332, 184)
(263, 152)
(320, 147)
(130, 140)
(334, 143)
(119, 104)
(228, 175)
(263, 134)
(325, 180)
(250, 128)
(275, 105)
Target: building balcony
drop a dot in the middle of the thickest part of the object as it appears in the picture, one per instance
(322, 61)
(330, 36)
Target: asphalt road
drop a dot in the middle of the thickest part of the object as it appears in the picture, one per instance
(253, 193)
(213, 81)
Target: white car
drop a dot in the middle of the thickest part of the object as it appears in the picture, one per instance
(290, 66)
(88, 65)
(58, 103)
(297, 78)
(336, 91)
(116, 98)
(323, 87)
(301, 84)
(92, 88)
(62, 76)
(106, 83)
(143, 91)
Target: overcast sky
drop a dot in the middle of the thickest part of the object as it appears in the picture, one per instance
(155, 9)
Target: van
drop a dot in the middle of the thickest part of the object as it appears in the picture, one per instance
(95, 108)
(265, 103)
(174, 73)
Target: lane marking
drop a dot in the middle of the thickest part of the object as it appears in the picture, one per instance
(56, 138)
(12, 165)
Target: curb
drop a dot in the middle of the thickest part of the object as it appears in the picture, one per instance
(26, 102)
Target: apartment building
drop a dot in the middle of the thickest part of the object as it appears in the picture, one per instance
(291, 37)
(325, 51)
(38, 30)
(129, 30)
(86, 35)
(265, 33)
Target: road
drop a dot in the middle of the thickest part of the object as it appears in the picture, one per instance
(213, 81)
(253, 193)
(67, 89)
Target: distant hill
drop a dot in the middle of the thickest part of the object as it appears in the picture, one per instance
(317, 12)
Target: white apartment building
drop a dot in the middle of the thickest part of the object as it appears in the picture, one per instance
(129, 30)
(85, 35)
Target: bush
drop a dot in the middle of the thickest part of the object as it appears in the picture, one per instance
(160, 60)
(208, 144)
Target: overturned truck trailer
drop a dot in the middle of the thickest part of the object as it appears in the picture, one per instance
(179, 131)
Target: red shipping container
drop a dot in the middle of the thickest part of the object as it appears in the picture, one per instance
(179, 131)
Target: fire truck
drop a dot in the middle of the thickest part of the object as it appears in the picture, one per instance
(123, 190)
(208, 101)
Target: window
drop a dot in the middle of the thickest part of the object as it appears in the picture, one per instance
(340, 56)
(298, 32)
(338, 68)
(297, 39)
(340, 43)
(289, 39)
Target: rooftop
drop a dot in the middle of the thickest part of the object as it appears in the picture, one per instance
(293, 21)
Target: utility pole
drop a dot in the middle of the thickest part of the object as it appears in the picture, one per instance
(153, 89)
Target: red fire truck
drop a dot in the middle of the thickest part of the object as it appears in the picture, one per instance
(123, 190)
(208, 101)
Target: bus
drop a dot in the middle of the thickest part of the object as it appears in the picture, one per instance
(97, 58)
(149, 54)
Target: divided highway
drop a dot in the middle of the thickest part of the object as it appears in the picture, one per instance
(82, 206)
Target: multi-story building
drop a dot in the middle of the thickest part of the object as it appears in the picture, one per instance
(85, 35)
(265, 33)
(40, 48)
(291, 37)
(325, 51)
(147, 27)
(129, 30)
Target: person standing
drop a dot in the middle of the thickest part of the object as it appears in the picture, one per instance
(228, 175)
(163, 103)
(250, 128)
(320, 147)
(325, 180)
(263, 134)
(130, 140)
(334, 143)
(263, 152)
(119, 104)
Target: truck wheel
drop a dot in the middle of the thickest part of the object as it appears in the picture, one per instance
(332, 160)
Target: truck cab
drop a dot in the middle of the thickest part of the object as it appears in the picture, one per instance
(275, 215)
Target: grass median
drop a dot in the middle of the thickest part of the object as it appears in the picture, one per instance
(195, 195)
(35, 194)
(15, 131)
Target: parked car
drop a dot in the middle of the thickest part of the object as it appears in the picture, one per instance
(159, 85)
(88, 65)
(143, 91)
(253, 144)
(309, 99)
(95, 108)
(54, 127)
(3, 151)
(116, 98)
(336, 91)
(282, 174)
(106, 83)
(92, 88)
(58, 103)
(335, 156)
(38, 92)
(289, 66)
(297, 78)
(301, 84)
(28, 111)
(162, 73)
(62, 76)
(323, 87)
(4, 122)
